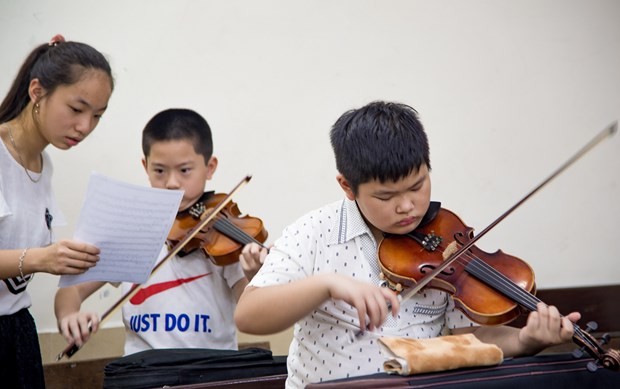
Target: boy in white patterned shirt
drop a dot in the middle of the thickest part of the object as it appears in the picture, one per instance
(324, 269)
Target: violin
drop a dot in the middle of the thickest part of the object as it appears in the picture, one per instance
(222, 239)
(472, 279)
(490, 288)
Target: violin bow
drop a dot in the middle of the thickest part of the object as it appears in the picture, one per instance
(608, 131)
(72, 348)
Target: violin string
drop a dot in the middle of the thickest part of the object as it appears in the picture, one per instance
(525, 298)
(495, 278)
(222, 226)
(232, 231)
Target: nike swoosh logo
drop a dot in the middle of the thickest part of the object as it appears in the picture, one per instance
(152, 290)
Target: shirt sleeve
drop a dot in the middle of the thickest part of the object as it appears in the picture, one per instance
(232, 273)
(292, 256)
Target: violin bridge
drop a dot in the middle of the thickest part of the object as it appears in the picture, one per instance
(451, 249)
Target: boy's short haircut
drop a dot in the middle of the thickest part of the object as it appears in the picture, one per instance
(382, 141)
(178, 124)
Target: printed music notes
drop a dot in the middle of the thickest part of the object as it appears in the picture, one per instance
(129, 224)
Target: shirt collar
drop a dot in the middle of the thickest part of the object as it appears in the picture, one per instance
(350, 224)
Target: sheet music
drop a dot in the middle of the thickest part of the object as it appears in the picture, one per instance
(129, 224)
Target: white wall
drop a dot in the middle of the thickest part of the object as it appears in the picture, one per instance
(507, 90)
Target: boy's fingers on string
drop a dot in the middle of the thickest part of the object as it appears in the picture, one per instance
(529, 333)
(263, 255)
(574, 317)
(567, 331)
(250, 261)
(554, 318)
(533, 319)
(549, 322)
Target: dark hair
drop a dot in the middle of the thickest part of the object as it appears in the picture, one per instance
(62, 63)
(178, 124)
(382, 141)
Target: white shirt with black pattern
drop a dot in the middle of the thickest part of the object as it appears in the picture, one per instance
(336, 239)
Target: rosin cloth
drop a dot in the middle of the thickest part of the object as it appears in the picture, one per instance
(413, 356)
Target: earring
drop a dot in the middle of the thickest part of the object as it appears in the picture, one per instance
(36, 108)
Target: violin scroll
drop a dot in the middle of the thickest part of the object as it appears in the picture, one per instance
(609, 359)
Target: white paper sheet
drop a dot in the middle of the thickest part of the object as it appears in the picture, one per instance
(129, 224)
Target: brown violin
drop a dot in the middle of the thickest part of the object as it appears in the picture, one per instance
(472, 279)
(490, 288)
(222, 239)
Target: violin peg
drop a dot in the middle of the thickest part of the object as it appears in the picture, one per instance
(591, 326)
(577, 353)
(592, 366)
(605, 339)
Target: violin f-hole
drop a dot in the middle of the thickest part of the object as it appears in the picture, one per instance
(428, 268)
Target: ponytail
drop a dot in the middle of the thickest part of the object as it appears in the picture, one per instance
(53, 64)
